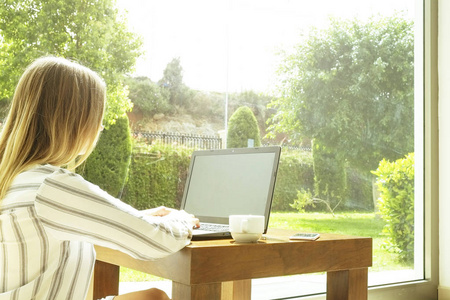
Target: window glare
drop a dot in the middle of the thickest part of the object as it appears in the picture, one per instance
(235, 39)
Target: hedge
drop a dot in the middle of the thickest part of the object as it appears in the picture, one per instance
(157, 176)
(158, 173)
(107, 166)
(295, 172)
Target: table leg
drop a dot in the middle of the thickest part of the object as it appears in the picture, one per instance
(231, 290)
(237, 290)
(106, 280)
(347, 285)
(197, 291)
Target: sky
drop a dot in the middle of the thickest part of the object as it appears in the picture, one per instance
(232, 45)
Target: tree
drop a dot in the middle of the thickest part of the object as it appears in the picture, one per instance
(350, 88)
(107, 166)
(242, 127)
(173, 81)
(93, 33)
(148, 96)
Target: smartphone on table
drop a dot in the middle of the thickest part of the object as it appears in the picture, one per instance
(305, 236)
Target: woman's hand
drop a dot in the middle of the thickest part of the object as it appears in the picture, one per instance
(163, 211)
(158, 211)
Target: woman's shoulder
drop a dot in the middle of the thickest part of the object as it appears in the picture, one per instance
(42, 174)
(63, 180)
(26, 183)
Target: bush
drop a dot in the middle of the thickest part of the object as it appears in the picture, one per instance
(242, 127)
(157, 176)
(396, 203)
(295, 172)
(257, 102)
(107, 166)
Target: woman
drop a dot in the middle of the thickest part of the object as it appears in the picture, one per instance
(50, 218)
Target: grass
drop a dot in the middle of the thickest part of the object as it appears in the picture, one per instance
(348, 223)
(359, 224)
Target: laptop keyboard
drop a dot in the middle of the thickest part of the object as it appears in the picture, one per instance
(214, 227)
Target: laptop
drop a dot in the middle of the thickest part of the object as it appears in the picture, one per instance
(228, 182)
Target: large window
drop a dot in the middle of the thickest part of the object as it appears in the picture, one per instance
(346, 87)
(338, 83)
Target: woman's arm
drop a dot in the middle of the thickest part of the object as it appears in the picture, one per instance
(73, 209)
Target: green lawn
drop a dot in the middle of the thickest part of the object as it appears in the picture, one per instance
(359, 224)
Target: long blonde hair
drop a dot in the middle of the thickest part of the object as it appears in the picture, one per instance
(55, 117)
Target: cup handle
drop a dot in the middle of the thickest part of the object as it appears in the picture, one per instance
(244, 226)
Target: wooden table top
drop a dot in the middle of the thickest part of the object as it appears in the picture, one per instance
(275, 255)
(273, 236)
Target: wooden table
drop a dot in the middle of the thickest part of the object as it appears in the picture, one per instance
(223, 269)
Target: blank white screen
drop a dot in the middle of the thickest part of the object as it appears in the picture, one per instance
(222, 185)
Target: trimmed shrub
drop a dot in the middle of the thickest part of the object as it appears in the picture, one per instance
(396, 203)
(242, 127)
(157, 176)
(107, 166)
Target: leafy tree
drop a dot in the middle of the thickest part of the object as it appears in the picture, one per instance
(148, 96)
(108, 164)
(173, 81)
(350, 88)
(91, 32)
(242, 127)
(206, 105)
(251, 99)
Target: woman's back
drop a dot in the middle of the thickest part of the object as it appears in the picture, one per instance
(37, 265)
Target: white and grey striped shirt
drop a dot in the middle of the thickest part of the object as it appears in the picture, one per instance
(49, 221)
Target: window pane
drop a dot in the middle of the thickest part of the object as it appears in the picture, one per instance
(337, 83)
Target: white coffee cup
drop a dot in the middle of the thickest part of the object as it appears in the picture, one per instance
(246, 228)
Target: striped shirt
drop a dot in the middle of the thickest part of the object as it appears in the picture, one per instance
(50, 219)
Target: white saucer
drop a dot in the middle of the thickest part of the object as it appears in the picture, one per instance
(246, 237)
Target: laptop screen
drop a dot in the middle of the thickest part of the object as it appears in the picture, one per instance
(231, 181)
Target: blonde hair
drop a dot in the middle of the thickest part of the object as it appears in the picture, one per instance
(55, 118)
